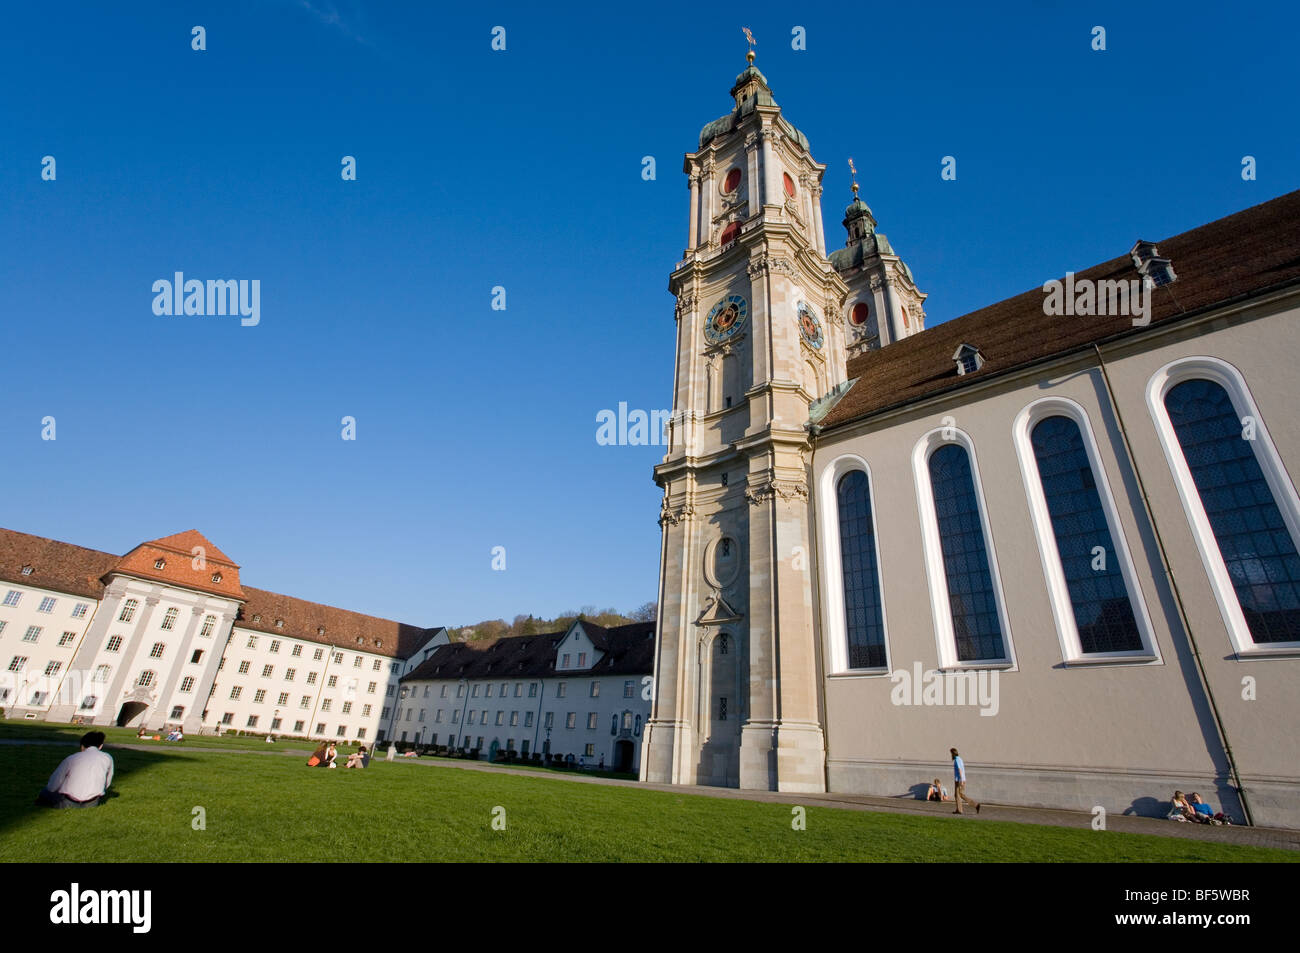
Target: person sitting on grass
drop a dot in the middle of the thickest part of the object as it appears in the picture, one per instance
(317, 758)
(141, 733)
(81, 779)
(936, 792)
(358, 758)
(331, 755)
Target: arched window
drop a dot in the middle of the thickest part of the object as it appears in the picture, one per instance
(972, 599)
(1254, 541)
(864, 623)
(169, 618)
(723, 648)
(209, 622)
(128, 610)
(1091, 567)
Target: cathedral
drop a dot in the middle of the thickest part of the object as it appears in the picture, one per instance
(1058, 533)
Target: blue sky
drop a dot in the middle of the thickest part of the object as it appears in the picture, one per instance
(476, 428)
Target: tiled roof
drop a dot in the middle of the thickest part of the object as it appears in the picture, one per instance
(342, 628)
(216, 574)
(1243, 254)
(628, 650)
(61, 567)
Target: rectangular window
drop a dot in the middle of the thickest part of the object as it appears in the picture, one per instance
(514, 719)
(590, 751)
(283, 698)
(298, 726)
(591, 721)
(376, 666)
(228, 718)
(455, 716)
(196, 656)
(532, 689)
(325, 705)
(32, 634)
(426, 690)
(338, 658)
(275, 724)
(421, 718)
(157, 650)
(384, 713)
(372, 687)
(53, 668)
(290, 674)
(582, 660)
(443, 693)
(296, 652)
(243, 667)
(236, 691)
(275, 646)
(259, 696)
(365, 711)
(305, 702)
(114, 643)
(320, 727)
(169, 620)
(316, 657)
(550, 720)
(47, 605)
(361, 734)
(528, 719)
(252, 642)
(571, 720)
(80, 609)
(472, 715)
(332, 681)
(488, 691)
(252, 721)
(13, 597)
(356, 662)
(437, 716)
(347, 708)
(209, 623)
(389, 693)
(504, 688)
(519, 689)
(3, 623)
(187, 684)
(628, 689)
(562, 689)
(474, 692)
(178, 712)
(501, 717)
(564, 661)
(460, 690)
(266, 670)
(595, 689)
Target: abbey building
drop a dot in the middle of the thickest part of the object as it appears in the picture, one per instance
(1080, 525)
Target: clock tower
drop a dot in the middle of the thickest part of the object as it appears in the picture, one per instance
(760, 337)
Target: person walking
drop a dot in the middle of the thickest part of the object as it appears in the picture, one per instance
(959, 783)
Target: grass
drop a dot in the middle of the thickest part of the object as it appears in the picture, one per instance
(277, 809)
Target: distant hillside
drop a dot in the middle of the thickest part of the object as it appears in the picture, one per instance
(532, 625)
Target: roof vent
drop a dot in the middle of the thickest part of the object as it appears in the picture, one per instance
(1146, 259)
(968, 359)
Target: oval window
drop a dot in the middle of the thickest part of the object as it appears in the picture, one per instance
(789, 184)
(732, 181)
(860, 313)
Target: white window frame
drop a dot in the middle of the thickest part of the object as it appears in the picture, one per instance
(1067, 629)
(834, 622)
(937, 579)
(1270, 462)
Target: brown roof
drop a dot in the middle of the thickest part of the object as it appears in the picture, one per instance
(1243, 254)
(342, 627)
(61, 567)
(216, 574)
(628, 650)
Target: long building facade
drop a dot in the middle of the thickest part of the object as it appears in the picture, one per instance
(1059, 533)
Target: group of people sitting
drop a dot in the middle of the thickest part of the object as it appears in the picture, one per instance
(176, 734)
(326, 756)
(1191, 808)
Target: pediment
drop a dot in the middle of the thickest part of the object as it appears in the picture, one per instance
(717, 612)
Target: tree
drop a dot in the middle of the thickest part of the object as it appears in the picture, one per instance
(646, 613)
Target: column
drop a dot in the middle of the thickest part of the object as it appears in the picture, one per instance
(695, 211)
(755, 186)
(705, 232)
(203, 689)
(771, 187)
(819, 236)
(113, 696)
(160, 713)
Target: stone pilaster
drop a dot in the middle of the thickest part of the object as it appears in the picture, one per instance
(158, 717)
(113, 695)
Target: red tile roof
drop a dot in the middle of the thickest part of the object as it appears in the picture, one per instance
(342, 627)
(61, 567)
(179, 553)
(1244, 254)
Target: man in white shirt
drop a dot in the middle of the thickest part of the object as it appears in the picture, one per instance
(959, 783)
(82, 779)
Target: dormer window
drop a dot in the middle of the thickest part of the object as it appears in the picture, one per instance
(968, 359)
(257, 618)
(159, 563)
(1154, 270)
(27, 570)
(379, 643)
(216, 577)
(361, 640)
(279, 623)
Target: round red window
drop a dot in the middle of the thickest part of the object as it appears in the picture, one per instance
(729, 233)
(789, 184)
(860, 313)
(732, 181)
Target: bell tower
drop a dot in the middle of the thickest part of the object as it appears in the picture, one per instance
(759, 338)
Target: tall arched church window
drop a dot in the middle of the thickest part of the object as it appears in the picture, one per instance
(864, 622)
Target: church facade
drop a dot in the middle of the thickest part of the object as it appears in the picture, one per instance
(1059, 533)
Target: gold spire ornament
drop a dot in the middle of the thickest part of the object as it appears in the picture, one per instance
(854, 170)
(749, 38)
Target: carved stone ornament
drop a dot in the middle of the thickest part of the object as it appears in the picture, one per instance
(876, 283)
(751, 141)
(687, 302)
(674, 514)
(788, 491)
(766, 263)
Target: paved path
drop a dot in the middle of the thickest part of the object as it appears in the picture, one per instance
(1254, 836)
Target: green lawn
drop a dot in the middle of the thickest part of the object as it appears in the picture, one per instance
(277, 809)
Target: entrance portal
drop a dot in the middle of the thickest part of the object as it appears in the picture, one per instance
(130, 711)
(623, 756)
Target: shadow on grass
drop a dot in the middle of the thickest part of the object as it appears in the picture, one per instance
(27, 767)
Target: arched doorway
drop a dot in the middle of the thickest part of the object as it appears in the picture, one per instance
(623, 755)
(130, 711)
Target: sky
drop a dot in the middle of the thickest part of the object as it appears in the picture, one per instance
(520, 169)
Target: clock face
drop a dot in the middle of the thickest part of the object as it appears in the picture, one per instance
(726, 318)
(809, 326)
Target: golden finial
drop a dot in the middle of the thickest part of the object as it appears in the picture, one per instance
(749, 38)
(854, 170)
